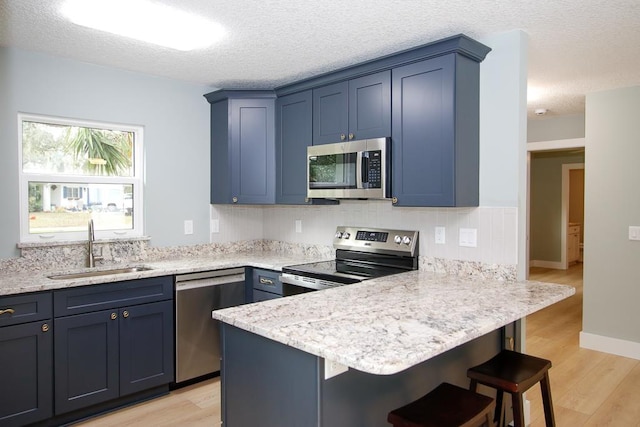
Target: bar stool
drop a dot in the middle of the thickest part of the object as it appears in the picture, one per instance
(514, 373)
(445, 406)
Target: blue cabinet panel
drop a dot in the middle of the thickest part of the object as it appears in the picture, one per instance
(146, 346)
(330, 113)
(356, 109)
(435, 133)
(293, 136)
(370, 106)
(242, 147)
(26, 373)
(86, 360)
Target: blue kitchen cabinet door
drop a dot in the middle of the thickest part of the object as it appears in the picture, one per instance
(435, 132)
(242, 147)
(293, 136)
(26, 373)
(331, 113)
(356, 109)
(86, 360)
(146, 346)
(370, 106)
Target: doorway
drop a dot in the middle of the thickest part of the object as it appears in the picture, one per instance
(556, 206)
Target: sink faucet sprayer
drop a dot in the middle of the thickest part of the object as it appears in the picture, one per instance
(92, 258)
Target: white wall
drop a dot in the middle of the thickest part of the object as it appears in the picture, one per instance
(611, 279)
(174, 114)
(502, 148)
(554, 128)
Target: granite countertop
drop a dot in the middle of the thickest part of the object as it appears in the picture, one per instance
(34, 281)
(386, 325)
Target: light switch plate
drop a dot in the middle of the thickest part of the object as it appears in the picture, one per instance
(188, 226)
(440, 236)
(215, 226)
(469, 237)
(298, 226)
(634, 232)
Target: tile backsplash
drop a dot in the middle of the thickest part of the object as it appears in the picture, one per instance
(496, 227)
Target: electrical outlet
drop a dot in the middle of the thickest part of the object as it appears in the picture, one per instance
(469, 237)
(440, 235)
(298, 226)
(331, 368)
(215, 225)
(188, 226)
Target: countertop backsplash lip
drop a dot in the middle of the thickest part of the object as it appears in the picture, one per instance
(23, 245)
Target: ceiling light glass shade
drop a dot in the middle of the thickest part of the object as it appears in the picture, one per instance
(146, 21)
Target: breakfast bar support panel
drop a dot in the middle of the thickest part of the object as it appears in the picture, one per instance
(271, 384)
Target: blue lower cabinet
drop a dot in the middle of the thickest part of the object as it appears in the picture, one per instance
(146, 346)
(118, 353)
(86, 360)
(26, 373)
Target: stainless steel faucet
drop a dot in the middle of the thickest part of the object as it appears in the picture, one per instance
(91, 262)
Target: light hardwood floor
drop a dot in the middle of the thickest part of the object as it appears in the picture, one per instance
(589, 388)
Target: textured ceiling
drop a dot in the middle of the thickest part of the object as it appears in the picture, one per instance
(576, 46)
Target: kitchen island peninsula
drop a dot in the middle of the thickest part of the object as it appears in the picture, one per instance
(346, 356)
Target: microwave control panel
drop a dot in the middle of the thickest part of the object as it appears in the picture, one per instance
(374, 172)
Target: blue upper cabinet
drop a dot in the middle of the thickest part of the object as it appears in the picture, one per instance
(242, 147)
(293, 136)
(370, 106)
(435, 147)
(356, 109)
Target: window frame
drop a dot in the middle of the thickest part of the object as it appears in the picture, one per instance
(136, 180)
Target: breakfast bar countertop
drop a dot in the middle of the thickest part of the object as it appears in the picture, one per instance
(386, 325)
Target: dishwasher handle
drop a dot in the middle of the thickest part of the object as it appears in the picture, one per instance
(205, 282)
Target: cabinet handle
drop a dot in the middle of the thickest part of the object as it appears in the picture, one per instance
(266, 281)
(342, 137)
(114, 316)
(234, 200)
(45, 327)
(125, 314)
(7, 311)
(394, 200)
(351, 136)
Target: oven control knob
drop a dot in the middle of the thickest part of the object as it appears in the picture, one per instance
(406, 240)
(397, 239)
(338, 235)
(346, 235)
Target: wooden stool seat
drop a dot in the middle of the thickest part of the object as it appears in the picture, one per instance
(445, 406)
(515, 373)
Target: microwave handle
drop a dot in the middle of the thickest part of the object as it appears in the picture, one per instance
(361, 171)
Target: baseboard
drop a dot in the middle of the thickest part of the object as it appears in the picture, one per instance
(610, 345)
(546, 264)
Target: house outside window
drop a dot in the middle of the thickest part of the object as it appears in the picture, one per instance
(72, 171)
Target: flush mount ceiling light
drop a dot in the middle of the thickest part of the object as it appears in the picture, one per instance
(144, 20)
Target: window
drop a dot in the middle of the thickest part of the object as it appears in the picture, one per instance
(73, 171)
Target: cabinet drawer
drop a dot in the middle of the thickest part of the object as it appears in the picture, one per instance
(86, 299)
(25, 308)
(268, 281)
(259, 295)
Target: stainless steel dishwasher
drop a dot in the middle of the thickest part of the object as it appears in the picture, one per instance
(197, 334)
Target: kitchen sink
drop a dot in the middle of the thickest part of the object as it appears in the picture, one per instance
(98, 273)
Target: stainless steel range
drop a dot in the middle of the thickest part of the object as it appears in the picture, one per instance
(361, 253)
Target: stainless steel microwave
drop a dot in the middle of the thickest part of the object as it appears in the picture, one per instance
(358, 169)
